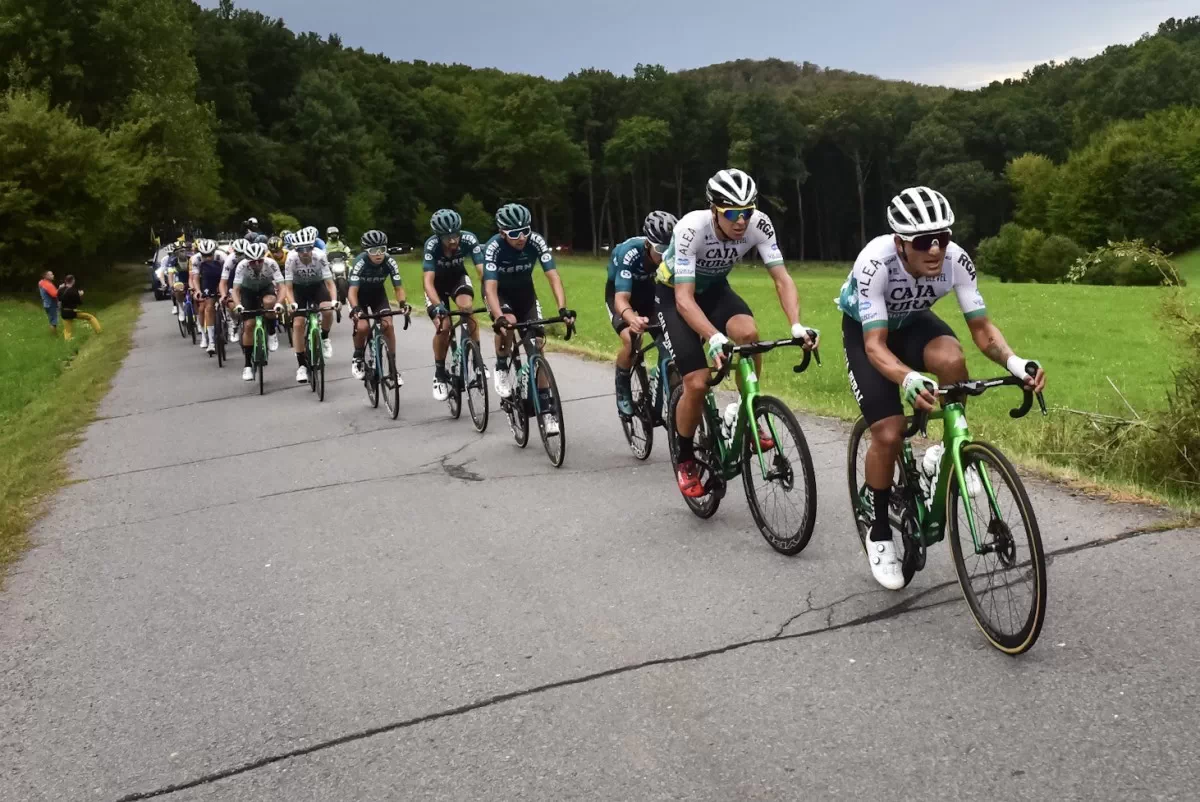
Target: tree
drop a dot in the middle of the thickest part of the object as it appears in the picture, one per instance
(632, 149)
(1032, 178)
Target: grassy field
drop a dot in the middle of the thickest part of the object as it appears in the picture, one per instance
(1085, 336)
(51, 389)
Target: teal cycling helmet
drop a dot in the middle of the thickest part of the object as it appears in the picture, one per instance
(446, 222)
(511, 216)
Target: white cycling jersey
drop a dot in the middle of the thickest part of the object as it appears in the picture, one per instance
(316, 271)
(248, 278)
(194, 264)
(231, 262)
(880, 292)
(699, 255)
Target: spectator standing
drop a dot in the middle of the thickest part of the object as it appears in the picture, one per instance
(49, 295)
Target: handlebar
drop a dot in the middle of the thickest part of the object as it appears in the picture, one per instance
(972, 387)
(750, 349)
(463, 312)
(528, 324)
(406, 311)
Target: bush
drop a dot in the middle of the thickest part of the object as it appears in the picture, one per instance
(1032, 240)
(1055, 257)
(1000, 256)
(282, 221)
(1131, 263)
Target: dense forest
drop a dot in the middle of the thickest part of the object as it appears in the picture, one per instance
(121, 114)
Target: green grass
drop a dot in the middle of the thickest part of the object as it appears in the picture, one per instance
(1085, 336)
(1188, 265)
(51, 389)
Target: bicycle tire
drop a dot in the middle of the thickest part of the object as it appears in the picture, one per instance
(454, 396)
(182, 328)
(514, 405)
(705, 506)
(310, 357)
(902, 514)
(639, 427)
(788, 472)
(390, 387)
(977, 454)
(219, 333)
(320, 381)
(260, 357)
(555, 445)
(371, 380)
(475, 369)
(191, 325)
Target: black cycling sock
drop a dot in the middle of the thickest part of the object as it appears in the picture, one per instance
(881, 529)
(301, 360)
(270, 326)
(501, 363)
(249, 352)
(686, 447)
(324, 334)
(441, 365)
(359, 353)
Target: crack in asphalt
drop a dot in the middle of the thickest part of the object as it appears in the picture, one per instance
(907, 605)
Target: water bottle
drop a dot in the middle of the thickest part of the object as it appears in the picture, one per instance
(729, 420)
(931, 463)
(653, 384)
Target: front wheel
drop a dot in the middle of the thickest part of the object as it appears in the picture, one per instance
(549, 412)
(391, 387)
(782, 488)
(372, 378)
(639, 427)
(997, 549)
(474, 374)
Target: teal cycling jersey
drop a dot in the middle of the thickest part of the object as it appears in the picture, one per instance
(509, 267)
(367, 273)
(630, 265)
(438, 261)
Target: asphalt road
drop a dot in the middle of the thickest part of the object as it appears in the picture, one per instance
(260, 598)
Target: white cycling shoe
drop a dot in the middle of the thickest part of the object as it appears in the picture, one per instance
(357, 369)
(273, 342)
(885, 564)
(302, 375)
(550, 424)
(247, 374)
(327, 349)
(441, 390)
(501, 383)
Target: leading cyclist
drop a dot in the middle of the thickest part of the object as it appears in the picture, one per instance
(891, 337)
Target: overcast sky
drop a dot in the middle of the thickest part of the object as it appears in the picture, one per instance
(965, 44)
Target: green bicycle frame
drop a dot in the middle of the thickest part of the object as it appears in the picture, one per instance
(728, 454)
(260, 341)
(931, 518)
(314, 338)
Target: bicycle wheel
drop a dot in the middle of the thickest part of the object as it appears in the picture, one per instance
(182, 327)
(902, 507)
(219, 331)
(388, 383)
(705, 506)
(260, 364)
(311, 360)
(516, 407)
(555, 443)
(372, 378)
(639, 427)
(454, 397)
(191, 324)
(1004, 578)
(320, 380)
(784, 502)
(474, 373)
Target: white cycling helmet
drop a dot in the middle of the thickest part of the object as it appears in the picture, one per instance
(239, 246)
(732, 187)
(306, 237)
(206, 247)
(289, 240)
(256, 251)
(919, 210)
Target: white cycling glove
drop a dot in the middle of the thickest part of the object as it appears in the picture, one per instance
(800, 332)
(914, 383)
(715, 344)
(1016, 366)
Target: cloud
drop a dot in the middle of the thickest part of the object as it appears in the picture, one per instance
(972, 75)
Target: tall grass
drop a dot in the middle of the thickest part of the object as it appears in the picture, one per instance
(51, 389)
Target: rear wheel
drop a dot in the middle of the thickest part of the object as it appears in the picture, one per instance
(555, 443)
(191, 325)
(391, 388)
(474, 374)
(639, 427)
(1003, 577)
(784, 502)
(705, 506)
(902, 513)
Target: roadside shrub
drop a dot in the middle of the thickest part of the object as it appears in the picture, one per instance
(1032, 240)
(1130, 263)
(1000, 256)
(282, 221)
(1055, 258)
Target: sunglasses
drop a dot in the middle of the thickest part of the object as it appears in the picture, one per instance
(304, 249)
(256, 262)
(923, 242)
(517, 233)
(734, 214)
(660, 248)
(380, 251)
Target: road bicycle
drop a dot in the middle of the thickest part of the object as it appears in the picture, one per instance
(534, 390)
(995, 541)
(258, 354)
(763, 442)
(648, 391)
(314, 357)
(188, 324)
(468, 373)
(381, 377)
